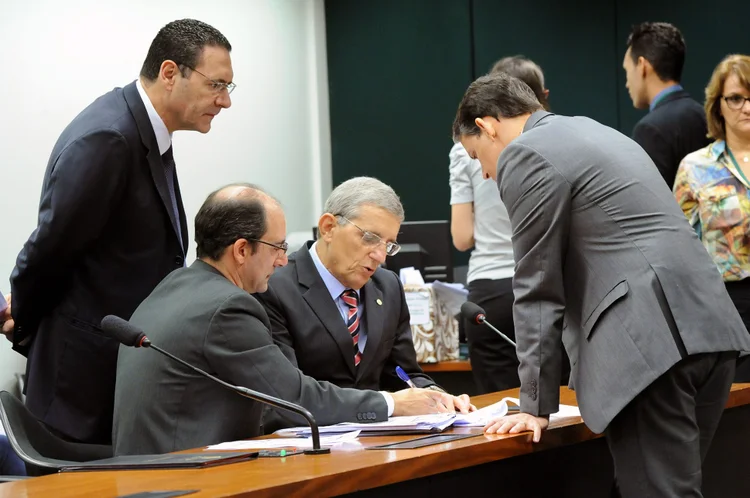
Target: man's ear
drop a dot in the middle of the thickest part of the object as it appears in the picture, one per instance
(485, 125)
(168, 73)
(241, 250)
(326, 225)
(643, 67)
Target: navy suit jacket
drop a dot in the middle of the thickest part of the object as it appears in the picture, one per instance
(106, 236)
(675, 128)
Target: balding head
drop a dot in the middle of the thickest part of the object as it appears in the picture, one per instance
(236, 211)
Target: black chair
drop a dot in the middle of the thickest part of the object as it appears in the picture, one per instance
(43, 452)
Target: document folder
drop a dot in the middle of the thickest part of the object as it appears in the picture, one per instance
(166, 461)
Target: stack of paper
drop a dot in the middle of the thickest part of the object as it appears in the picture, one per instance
(417, 423)
(481, 417)
(433, 423)
(265, 444)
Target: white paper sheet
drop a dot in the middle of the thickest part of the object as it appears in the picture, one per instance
(273, 443)
(436, 422)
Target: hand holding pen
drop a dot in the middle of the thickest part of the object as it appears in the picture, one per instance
(460, 403)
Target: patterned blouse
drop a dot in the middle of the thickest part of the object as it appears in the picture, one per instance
(714, 197)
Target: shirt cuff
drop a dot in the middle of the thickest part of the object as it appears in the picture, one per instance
(389, 401)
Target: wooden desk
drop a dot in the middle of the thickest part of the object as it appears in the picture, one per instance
(447, 366)
(570, 461)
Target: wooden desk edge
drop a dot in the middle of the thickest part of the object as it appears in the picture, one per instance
(458, 455)
(447, 366)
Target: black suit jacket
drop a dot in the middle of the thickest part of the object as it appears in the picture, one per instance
(201, 317)
(106, 236)
(675, 128)
(309, 329)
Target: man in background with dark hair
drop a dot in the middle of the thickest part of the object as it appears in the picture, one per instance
(676, 124)
(111, 226)
(205, 314)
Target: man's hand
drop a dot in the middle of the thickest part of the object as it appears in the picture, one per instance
(463, 404)
(422, 401)
(7, 321)
(518, 422)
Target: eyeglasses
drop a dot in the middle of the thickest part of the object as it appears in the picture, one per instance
(373, 239)
(283, 247)
(216, 86)
(735, 102)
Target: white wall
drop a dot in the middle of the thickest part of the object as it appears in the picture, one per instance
(58, 56)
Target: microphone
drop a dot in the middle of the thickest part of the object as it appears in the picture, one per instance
(129, 335)
(473, 312)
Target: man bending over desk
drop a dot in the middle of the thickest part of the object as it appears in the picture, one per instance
(205, 315)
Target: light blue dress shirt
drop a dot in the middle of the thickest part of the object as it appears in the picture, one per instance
(660, 96)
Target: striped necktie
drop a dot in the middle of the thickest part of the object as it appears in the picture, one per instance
(351, 299)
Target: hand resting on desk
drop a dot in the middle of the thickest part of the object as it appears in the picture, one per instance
(519, 422)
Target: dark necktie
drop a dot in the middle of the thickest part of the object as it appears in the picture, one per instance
(351, 299)
(169, 170)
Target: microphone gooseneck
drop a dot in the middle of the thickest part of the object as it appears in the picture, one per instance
(129, 335)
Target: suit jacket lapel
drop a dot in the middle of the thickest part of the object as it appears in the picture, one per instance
(181, 209)
(373, 311)
(138, 110)
(316, 294)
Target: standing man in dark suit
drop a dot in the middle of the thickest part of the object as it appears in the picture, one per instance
(111, 225)
(334, 311)
(205, 315)
(602, 247)
(676, 124)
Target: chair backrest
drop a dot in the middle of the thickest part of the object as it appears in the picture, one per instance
(36, 445)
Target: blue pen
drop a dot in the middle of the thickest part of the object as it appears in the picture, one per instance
(403, 376)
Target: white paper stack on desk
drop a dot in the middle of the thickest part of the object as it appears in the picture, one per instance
(433, 423)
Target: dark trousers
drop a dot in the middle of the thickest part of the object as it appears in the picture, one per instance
(659, 440)
(740, 293)
(494, 363)
(10, 463)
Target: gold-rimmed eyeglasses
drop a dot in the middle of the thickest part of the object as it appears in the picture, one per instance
(283, 247)
(216, 85)
(373, 239)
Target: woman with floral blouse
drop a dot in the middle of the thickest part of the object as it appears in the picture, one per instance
(712, 184)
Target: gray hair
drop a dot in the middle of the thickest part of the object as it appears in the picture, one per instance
(350, 196)
(499, 96)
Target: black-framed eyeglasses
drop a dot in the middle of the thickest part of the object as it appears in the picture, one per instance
(283, 247)
(216, 86)
(373, 239)
(736, 102)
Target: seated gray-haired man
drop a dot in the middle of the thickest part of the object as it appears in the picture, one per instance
(334, 311)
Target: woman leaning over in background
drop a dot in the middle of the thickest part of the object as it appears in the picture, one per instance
(712, 184)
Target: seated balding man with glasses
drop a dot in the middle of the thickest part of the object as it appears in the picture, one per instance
(334, 312)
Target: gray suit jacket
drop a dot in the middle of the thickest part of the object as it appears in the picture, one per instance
(601, 245)
(199, 316)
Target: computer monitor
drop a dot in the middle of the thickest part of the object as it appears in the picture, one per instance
(425, 245)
